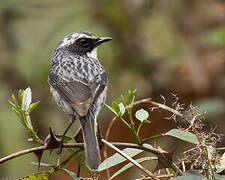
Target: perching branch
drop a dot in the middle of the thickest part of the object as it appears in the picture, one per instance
(38, 149)
(159, 152)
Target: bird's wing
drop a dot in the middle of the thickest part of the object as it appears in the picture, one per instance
(79, 95)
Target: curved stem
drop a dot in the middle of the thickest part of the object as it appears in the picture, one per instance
(149, 173)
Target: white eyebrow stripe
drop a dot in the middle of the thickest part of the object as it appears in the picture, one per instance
(68, 40)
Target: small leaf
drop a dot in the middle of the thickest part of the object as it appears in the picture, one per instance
(30, 139)
(122, 108)
(221, 167)
(26, 99)
(219, 177)
(28, 121)
(222, 160)
(33, 106)
(111, 109)
(16, 112)
(183, 135)
(134, 91)
(65, 138)
(116, 108)
(131, 95)
(39, 176)
(123, 100)
(117, 158)
(129, 92)
(70, 173)
(44, 164)
(142, 115)
(12, 104)
(129, 165)
(146, 121)
(20, 97)
(14, 101)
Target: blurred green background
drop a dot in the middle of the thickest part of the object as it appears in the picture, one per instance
(159, 47)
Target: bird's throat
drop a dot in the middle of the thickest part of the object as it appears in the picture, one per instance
(93, 53)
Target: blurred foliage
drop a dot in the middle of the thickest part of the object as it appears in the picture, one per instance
(158, 47)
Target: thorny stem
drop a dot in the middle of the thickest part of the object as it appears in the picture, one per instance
(78, 145)
(158, 152)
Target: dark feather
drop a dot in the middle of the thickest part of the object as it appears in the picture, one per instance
(79, 95)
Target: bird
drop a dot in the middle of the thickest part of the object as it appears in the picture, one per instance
(78, 83)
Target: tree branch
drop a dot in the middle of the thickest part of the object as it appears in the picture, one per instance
(149, 173)
(159, 152)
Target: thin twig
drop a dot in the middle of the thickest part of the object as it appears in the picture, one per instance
(149, 173)
(38, 149)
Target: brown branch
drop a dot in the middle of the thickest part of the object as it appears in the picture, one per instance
(38, 149)
(159, 152)
(146, 171)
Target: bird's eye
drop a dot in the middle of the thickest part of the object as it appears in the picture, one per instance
(84, 42)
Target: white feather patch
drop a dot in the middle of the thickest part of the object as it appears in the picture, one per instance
(93, 53)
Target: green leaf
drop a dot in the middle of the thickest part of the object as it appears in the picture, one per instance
(183, 135)
(221, 167)
(129, 165)
(30, 140)
(70, 173)
(146, 121)
(123, 100)
(111, 109)
(33, 106)
(219, 177)
(12, 104)
(20, 97)
(16, 112)
(122, 108)
(190, 175)
(142, 115)
(212, 106)
(116, 108)
(65, 138)
(39, 176)
(117, 158)
(131, 95)
(28, 122)
(26, 99)
(14, 101)
(44, 164)
(134, 91)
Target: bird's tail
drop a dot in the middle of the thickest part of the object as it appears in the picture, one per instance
(92, 153)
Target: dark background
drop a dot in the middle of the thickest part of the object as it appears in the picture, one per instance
(159, 47)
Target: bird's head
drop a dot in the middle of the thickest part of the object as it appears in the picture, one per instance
(82, 43)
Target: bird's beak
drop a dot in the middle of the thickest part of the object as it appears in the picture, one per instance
(102, 40)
